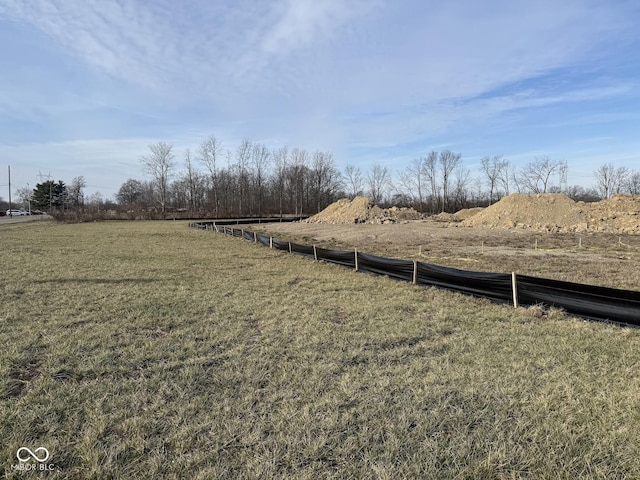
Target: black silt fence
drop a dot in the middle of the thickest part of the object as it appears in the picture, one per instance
(588, 301)
(494, 286)
(340, 257)
(304, 250)
(392, 267)
(263, 239)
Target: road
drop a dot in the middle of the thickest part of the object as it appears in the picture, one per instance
(4, 220)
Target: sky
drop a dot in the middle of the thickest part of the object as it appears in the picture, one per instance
(88, 85)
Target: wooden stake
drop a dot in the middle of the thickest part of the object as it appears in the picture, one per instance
(515, 289)
(315, 254)
(415, 272)
(270, 242)
(289, 247)
(356, 257)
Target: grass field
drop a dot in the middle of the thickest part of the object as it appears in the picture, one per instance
(152, 350)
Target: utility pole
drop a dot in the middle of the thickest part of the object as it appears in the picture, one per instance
(9, 168)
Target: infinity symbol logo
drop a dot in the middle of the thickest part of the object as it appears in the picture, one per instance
(32, 454)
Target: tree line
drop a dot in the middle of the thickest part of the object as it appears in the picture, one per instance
(253, 180)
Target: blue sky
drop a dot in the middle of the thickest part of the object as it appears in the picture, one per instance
(87, 85)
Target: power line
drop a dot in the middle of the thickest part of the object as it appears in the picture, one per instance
(103, 188)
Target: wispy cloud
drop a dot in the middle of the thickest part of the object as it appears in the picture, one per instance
(340, 76)
(303, 23)
(403, 53)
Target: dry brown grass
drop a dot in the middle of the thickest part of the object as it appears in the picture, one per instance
(152, 350)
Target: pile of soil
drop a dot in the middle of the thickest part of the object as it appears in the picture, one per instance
(542, 212)
(362, 210)
(459, 216)
(619, 214)
(467, 213)
(554, 212)
(444, 217)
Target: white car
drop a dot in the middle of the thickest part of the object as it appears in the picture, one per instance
(16, 213)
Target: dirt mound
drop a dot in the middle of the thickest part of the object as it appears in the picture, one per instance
(362, 210)
(619, 214)
(444, 217)
(551, 212)
(459, 216)
(467, 213)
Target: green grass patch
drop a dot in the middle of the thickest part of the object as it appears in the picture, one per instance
(152, 350)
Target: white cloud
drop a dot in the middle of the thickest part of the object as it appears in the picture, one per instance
(305, 22)
(319, 53)
(316, 73)
(105, 164)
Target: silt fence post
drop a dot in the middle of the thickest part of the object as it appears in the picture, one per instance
(514, 287)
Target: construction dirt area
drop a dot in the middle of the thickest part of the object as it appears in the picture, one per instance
(547, 235)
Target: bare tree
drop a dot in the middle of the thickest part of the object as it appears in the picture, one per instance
(413, 180)
(620, 180)
(492, 168)
(193, 182)
(260, 158)
(95, 203)
(160, 164)
(24, 196)
(430, 166)
(378, 180)
(633, 183)
(241, 167)
(326, 179)
(461, 184)
(504, 176)
(535, 177)
(354, 181)
(578, 193)
(131, 193)
(449, 161)
(611, 180)
(210, 154)
(281, 161)
(296, 178)
(76, 192)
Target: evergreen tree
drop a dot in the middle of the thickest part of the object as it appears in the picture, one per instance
(49, 196)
